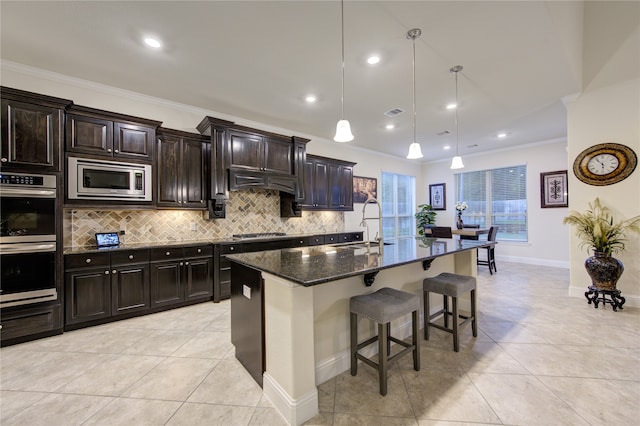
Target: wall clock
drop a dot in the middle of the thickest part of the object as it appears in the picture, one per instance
(605, 164)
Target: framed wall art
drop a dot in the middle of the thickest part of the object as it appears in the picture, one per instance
(554, 189)
(364, 188)
(438, 196)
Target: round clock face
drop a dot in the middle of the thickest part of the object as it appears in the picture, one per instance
(605, 164)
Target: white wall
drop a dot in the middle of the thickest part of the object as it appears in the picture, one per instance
(548, 240)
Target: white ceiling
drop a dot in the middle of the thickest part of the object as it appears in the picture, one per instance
(258, 61)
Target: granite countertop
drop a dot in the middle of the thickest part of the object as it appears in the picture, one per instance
(160, 244)
(315, 265)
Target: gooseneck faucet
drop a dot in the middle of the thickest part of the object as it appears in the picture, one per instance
(364, 224)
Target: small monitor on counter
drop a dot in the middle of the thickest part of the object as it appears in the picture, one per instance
(107, 239)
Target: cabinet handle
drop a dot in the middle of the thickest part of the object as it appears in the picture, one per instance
(181, 263)
(4, 160)
(186, 263)
(301, 242)
(199, 250)
(168, 253)
(88, 260)
(201, 201)
(116, 151)
(130, 256)
(108, 149)
(230, 248)
(114, 272)
(106, 272)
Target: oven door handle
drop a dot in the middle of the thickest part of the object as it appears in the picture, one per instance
(26, 248)
(18, 192)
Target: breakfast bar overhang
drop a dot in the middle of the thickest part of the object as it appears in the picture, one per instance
(302, 295)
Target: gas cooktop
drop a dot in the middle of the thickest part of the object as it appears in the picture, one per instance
(259, 235)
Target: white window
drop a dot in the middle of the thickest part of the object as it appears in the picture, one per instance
(496, 197)
(398, 205)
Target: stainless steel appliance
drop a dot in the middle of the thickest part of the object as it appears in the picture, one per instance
(90, 179)
(27, 238)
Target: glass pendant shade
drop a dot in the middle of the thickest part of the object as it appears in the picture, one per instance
(414, 151)
(456, 163)
(343, 132)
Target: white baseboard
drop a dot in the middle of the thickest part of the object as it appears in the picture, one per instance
(294, 411)
(630, 301)
(534, 261)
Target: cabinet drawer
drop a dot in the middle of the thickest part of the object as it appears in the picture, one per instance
(301, 242)
(332, 238)
(73, 261)
(166, 253)
(25, 322)
(198, 251)
(265, 245)
(129, 256)
(230, 248)
(349, 237)
(316, 240)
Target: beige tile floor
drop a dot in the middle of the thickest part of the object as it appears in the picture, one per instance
(540, 358)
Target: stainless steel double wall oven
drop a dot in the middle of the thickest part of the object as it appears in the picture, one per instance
(27, 238)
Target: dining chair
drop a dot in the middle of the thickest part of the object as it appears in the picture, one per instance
(469, 237)
(441, 232)
(491, 251)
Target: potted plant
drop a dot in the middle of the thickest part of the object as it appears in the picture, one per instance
(425, 218)
(598, 231)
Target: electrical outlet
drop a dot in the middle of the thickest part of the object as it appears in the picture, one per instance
(122, 232)
(193, 226)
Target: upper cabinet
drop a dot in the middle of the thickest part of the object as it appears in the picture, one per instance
(181, 170)
(105, 134)
(328, 184)
(32, 131)
(251, 151)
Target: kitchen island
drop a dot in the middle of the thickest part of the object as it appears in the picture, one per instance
(297, 303)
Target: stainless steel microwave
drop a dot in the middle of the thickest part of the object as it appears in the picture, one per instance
(89, 179)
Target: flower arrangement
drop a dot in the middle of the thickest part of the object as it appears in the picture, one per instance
(461, 206)
(597, 230)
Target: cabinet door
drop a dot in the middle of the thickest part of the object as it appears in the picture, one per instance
(89, 135)
(278, 156)
(87, 295)
(129, 288)
(245, 150)
(133, 141)
(340, 187)
(321, 184)
(166, 286)
(199, 280)
(194, 177)
(31, 136)
(168, 177)
(346, 174)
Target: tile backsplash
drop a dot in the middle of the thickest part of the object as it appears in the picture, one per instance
(248, 211)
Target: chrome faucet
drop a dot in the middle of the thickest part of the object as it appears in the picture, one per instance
(364, 224)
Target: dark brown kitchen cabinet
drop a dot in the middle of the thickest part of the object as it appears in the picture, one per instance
(260, 153)
(340, 186)
(28, 323)
(106, 134)
(88, 294)
(316, 178)
(32, 131)
(181, 170)
(103, 285)
(178, 275)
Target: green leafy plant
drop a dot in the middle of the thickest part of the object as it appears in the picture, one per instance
(598, 230)
(425, 216)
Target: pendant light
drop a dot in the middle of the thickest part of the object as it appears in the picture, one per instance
(414, 149)
(343, 128)
(456, 162)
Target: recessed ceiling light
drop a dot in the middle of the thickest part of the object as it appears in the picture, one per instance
(390, 126)
(502, 135)
(451, 106)
(311, 99)
(372, 60)
(446, 147)
(152, 42)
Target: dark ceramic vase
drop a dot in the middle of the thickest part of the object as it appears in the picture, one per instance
(459, 223)
(604, 270)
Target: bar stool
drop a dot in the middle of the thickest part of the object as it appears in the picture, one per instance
(383, 306)
(449, 285)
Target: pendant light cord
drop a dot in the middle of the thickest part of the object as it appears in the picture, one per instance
(456, 113)
(414, 89)
(342, 24)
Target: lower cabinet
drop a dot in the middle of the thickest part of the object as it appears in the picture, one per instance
(123, 283)
(181, 274)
